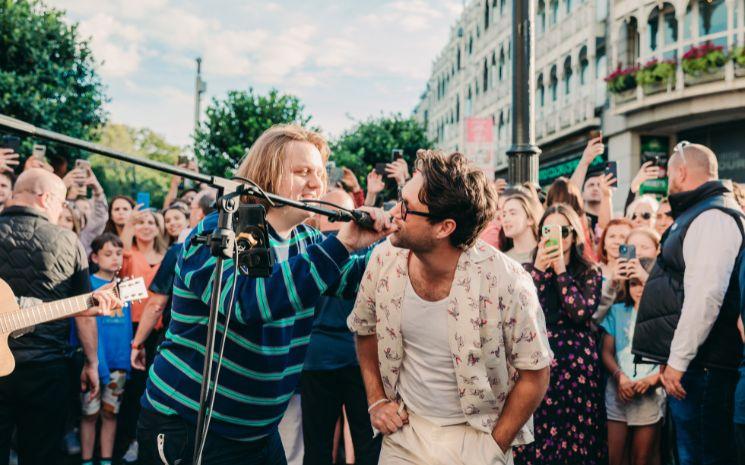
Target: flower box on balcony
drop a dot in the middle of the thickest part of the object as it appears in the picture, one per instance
(657, 87)
(716, 74)
(620, 98)
(703, 63)
(656, 76)
(738, 59)
(622, 80)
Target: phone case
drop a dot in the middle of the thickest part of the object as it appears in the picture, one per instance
(553, 232)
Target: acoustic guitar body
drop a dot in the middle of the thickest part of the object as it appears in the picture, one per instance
(7, 304)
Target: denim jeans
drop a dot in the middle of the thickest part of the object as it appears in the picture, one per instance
(169, 440)
(703, 420)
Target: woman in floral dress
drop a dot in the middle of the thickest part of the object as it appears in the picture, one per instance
(570, 422)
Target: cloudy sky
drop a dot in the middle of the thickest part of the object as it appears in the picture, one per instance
(345, 59)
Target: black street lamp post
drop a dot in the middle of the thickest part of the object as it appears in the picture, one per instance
(523, 153)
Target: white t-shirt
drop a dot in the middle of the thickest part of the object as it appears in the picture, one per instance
(427, 382)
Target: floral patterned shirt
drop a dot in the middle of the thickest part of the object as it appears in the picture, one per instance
(495, 327)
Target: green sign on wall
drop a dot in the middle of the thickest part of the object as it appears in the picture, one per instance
(549, 172)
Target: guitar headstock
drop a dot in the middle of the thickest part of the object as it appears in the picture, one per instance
(131, 289)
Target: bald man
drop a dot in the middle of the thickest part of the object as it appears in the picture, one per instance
(688, 313)
(331, 374)
(41, 260)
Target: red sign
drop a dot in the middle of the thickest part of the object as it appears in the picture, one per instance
(480, 143)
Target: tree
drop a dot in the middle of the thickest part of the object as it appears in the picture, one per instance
(371, 141)
(47, 74)
(121, 178)
(232, 125)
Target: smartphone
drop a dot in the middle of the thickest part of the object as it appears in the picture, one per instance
(11, 142)
(380, 169)
(595, 133)
(144, 199)
(40, 152)
(626, 252)
(396, 154)
(553, 233)
(611, 167)
(82, 165)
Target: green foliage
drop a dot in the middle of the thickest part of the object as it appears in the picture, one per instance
(120, 178)
(704, 58)
(47, 75)
(621, 80)
(371, 142)
(233, 124)
(738, 56)
(654, 72)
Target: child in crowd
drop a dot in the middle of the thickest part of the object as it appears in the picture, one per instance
(114, 336)
(634, 400)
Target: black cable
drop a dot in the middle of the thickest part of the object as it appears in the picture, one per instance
(323, 202)
(252, 183)
(228, 312)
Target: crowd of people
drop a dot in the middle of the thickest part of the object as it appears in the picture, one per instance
(475, 323)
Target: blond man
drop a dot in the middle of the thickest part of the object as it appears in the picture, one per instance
(270, 322)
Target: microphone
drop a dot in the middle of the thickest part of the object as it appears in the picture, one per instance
(363, 219)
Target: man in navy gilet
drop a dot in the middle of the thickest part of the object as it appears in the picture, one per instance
(687, 319)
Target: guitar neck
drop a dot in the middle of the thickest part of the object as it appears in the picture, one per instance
(48, 311)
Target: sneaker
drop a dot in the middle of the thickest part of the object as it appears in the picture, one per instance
(72, 442)
(131, 455)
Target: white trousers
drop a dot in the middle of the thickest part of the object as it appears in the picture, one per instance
(421, 442)
(291, 432)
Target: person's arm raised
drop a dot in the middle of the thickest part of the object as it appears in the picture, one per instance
(594, 148)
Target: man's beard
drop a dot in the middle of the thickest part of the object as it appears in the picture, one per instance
(417, 245)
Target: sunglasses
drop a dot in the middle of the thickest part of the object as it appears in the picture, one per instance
(645, 215)
(680, 146)
(565, 231)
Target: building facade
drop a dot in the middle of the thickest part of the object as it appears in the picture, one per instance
(578, 44)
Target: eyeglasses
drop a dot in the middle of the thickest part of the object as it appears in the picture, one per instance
(645, 216)
(405, 212)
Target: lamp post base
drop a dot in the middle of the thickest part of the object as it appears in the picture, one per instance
(523, 164)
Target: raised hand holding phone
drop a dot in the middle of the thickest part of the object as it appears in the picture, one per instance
(549, 251)
(594, 148)
(8, 160)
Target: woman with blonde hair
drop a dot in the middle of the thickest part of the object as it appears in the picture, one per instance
(518, 237)
(143, 236)
(642, 211)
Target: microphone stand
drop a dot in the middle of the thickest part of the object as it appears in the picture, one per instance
(221, 241)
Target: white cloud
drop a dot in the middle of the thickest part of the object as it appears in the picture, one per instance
(285, 52)
(324, 52)
(117, 45)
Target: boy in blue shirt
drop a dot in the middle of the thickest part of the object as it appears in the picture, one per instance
(114, 336)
